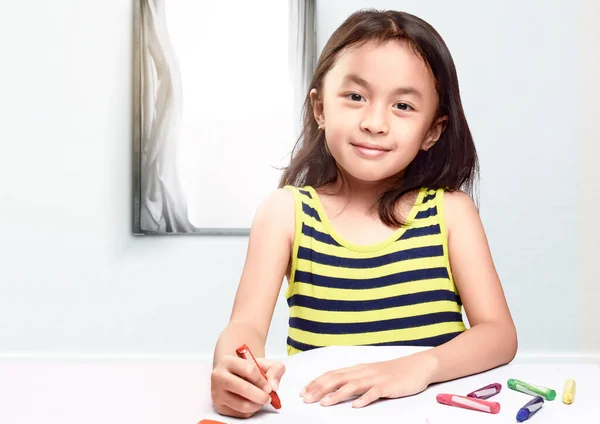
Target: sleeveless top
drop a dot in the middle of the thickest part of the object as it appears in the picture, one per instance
(396, 292)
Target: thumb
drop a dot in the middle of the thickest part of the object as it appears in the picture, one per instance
(274, 370)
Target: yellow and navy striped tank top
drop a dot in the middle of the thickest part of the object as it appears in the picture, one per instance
(397, 292)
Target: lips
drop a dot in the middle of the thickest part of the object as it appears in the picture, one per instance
(370, 150)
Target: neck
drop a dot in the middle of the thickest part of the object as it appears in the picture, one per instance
(359, 194)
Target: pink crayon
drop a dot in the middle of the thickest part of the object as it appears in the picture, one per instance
(486, 392)
(469, 403)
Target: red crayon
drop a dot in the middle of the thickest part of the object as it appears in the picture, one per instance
(243, 352)
(469, 403)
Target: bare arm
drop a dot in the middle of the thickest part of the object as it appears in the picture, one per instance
(269, 249)
(492, 339)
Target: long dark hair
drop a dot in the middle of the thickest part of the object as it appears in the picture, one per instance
(450, 164)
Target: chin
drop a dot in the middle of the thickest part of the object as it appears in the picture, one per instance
(369, 176)
(367, 171)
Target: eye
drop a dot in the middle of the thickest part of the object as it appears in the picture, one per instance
(404, 107)
(355, 97)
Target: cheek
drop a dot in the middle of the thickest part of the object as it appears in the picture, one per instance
(409, 135)
(339, 120)
(336, 133)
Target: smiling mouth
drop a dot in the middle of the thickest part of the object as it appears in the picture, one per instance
(370, 150)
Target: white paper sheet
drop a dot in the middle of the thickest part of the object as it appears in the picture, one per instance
(304, 367)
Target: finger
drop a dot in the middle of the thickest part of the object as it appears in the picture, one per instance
(227, 411)
(323, 385)
(370, 396)
(275, 368)
(240, 404)
(247, 369)
(352, 388)
(354, 372)
(237, 385)
(274, 371)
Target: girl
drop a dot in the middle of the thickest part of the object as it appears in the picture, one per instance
(378, 243)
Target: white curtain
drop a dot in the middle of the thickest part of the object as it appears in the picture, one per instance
(303, 52)
(163, 206)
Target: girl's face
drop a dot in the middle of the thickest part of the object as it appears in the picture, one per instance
(377, 107)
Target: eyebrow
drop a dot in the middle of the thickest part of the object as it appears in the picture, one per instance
(362, 82)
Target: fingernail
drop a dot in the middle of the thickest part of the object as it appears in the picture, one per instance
(303, 391)
(274, 384)
(326, 400)
(309, 397)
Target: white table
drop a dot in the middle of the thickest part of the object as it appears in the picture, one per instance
(114, 393)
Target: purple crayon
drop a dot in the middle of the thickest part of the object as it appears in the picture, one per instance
(486, 392)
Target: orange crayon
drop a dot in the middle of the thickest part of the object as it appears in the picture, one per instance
(243, 352)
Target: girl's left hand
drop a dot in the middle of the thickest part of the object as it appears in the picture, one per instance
(389, 379)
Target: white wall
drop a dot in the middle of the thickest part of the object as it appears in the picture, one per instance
(589, 174)
(75, 282)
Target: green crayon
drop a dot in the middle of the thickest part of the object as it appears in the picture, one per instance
(530, 389)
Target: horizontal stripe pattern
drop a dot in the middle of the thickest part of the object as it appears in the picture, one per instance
(305, 193)
(371, 315)
(341, 282)
(310, 211)
(393, 268)
(385, 336)
(367, 305)
(318, 235)
(402, 255)
(398, 292)
(429, 197)
(294, 346)
(420, 232)
(370, 327)
(373, 293)
(343, 252)
(427, 213)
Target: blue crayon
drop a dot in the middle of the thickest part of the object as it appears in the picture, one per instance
(530, 408)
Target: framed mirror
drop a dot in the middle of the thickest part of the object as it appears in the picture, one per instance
(218, 89)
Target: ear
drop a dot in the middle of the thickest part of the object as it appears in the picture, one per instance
(434, 133)
(317, 107)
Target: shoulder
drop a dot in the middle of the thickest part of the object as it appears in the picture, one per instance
(459, 209)
(276, 212)
(457, 200)
(277, 204)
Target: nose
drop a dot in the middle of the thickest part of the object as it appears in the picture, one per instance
(375, 120)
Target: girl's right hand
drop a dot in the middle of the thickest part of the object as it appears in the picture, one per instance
(237, 387)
